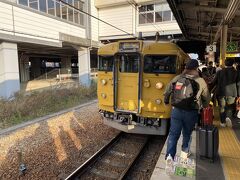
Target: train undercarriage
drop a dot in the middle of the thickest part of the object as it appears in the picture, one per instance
(132, 123)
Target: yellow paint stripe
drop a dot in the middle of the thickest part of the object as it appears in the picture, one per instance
(229, 150)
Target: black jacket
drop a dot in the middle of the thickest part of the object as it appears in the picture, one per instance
(227, 82)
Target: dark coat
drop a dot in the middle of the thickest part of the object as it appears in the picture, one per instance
(227, 82)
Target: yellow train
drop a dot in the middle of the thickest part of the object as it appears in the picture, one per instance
(132, 76)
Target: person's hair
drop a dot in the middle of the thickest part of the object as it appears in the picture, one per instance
(204, 69)
(210, 63)
(229, 62)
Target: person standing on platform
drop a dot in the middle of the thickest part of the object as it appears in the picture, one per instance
(184, 117)
(227, 89)
(211, 69)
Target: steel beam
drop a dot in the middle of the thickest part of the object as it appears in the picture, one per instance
(193, 7)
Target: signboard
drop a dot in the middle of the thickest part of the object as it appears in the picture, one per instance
(211, 48)
(232, 46)
(233, 55)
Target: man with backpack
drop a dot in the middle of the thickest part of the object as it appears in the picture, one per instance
(189, 93)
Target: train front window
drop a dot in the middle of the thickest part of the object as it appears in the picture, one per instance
(160, 64)
(129, 63)
(106, 63)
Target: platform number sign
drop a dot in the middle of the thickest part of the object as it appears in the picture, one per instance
(211, 48)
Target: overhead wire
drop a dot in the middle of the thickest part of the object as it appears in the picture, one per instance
(94, 17)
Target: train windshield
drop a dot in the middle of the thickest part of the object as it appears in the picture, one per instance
(129, 63)
(106, 63)
(160, 64)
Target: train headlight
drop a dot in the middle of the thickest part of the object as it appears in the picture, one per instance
(103, 95)
(158, 101)
(104, 82)
(146, 83)
(159, 85)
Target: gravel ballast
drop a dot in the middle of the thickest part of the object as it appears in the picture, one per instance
(53, 148)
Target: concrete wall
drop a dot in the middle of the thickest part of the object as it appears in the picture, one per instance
(22, 21)
(120, 16)
(94, 22)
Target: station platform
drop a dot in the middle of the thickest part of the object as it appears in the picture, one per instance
(227, 164)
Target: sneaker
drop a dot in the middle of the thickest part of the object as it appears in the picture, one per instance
(228, 122)
(169, 165)
(184, 155)
(223, 124)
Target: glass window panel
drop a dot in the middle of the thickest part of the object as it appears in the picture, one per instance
(129, 63)
(42, 5)
(76, 16)
(76, 3)
(142, 8)
(70, 2)
(81, 5)
(158, 16)
(51, 9)
(81, 19)
(158, 7)
(160, 64)
(166, 15)
(33, 4)
(142, 18)
(150, 7)
(105, 63)
(149, 17)
(23, 2)
(58, 11)
(64, 12)
(70, 14)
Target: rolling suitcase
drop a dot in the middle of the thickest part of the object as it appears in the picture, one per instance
(208, 142)
(207, 116)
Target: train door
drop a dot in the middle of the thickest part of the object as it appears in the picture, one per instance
(127, 68)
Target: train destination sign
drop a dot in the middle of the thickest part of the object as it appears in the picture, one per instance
(129, 46)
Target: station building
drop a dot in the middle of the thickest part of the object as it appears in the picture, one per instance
(134, 16)
(46, 38)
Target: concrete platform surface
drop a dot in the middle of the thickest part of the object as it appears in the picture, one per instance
(159, 171)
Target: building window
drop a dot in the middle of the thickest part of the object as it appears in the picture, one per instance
(42, 5)
(51, 7)
(155, 13)
(70, 14)
(58, 9)
(166, 16)
(146, 14)
(23, 2)
(33, 4)
(64, 11)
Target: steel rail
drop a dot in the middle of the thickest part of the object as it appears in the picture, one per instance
(85, 166)
(128, 169)
(98, 155)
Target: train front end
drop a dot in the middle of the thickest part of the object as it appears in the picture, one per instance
(131, 81)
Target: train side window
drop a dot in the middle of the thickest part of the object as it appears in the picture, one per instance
(106, 63)
(160, 64)
(128, 63)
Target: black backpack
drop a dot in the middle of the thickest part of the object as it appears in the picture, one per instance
(184, 93)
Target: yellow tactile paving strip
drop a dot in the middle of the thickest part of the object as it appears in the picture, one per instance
(229, 151)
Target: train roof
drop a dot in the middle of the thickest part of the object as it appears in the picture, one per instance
(147, 47)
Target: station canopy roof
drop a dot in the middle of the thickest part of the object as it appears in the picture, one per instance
(203, 19)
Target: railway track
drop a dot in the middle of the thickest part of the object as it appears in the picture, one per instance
(114, 160)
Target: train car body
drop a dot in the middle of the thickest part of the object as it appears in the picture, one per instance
(132, 77)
